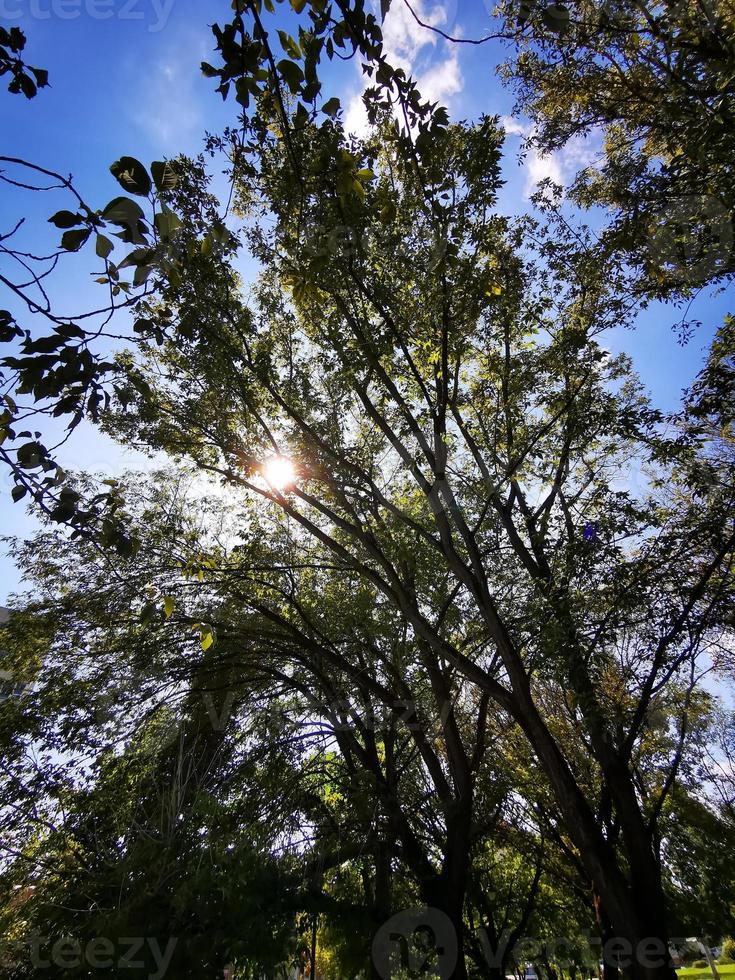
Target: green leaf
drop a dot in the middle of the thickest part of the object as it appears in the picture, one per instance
(206, 640)
(122, 211)
(163, 175)
(292, 74)
(289, 45)
(73, 240)
(23, 83)
(169, 604)
(41, 76)
(139, 256)
(147, 613)
(131, 175)
(298, 5)
(65, 219)
(331, 107)
(167, 223)
(30, 454)
(103, 246)
(18, 493)
(63, 512)
(44, 345)
(143, 325)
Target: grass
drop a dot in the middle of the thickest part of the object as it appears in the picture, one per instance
(703, 972)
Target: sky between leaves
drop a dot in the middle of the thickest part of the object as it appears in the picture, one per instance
(125, 79)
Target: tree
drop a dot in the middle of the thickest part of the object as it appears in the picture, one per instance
(256, 746)
(701, 876)
(435, 366)
(654, 83)
(430, 375)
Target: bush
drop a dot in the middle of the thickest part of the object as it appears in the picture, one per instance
(700, 964)
(728, 950)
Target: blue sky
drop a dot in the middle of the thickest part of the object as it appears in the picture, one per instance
(125, 80)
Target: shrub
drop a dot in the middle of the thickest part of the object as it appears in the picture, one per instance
(728, 950)
(700, 964)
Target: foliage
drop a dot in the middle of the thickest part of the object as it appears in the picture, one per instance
(653, 83)
(199, 766)
(23, 78)
(481, 643)
(702, 876)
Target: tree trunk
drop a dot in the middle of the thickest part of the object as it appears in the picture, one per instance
(455, 876)
(452, 905)
(446, 892)
(635, 906)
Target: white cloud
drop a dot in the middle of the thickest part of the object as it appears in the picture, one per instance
(543, 167)
(404, 38)
(560, 166)
(442, 80)
(356, 120)
(513, 127)
(413, 48)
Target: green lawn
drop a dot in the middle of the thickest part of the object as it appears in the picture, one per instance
(703, 973)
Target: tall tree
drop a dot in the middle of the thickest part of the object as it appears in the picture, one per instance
(417, 392)
(452, 456)
(653, 83)
(308, 712)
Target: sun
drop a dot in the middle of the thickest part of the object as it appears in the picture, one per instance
(280, 472)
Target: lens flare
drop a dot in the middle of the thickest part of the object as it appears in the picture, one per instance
(280, 472)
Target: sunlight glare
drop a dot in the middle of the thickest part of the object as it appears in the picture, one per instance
(280, 472)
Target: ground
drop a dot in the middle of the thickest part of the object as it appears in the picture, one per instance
(703, 973)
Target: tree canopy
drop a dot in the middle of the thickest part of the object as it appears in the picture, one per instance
(417, 620)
